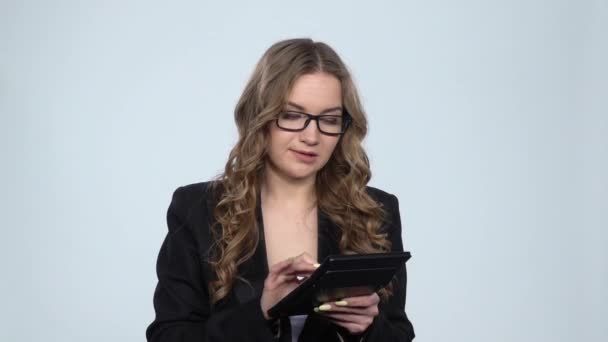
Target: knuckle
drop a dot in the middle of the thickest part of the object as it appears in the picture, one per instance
(305, 257)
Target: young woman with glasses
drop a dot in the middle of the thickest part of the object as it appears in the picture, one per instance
(293, 191)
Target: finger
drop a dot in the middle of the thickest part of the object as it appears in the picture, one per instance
(280, 265)
(279, 280)
(299, 267)
(358, 301)
(307, 258)
(284, 278)
(294, 266)
(360, 311)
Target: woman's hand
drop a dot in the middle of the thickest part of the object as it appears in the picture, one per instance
(355, 314)
(283, 278)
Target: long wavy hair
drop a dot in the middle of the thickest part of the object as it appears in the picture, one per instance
(340, 184)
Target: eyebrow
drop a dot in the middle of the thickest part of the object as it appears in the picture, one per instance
(297, 106)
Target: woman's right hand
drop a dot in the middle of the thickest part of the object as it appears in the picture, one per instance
(282, 279)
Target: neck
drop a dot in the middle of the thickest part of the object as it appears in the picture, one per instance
(277, 188)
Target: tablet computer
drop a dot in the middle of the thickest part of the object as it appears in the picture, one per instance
(341, 276)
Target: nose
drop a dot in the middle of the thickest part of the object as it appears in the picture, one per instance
(310, 134)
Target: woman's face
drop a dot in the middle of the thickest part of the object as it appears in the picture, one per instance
(299, 155)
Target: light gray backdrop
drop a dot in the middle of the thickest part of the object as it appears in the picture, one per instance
(488, 119)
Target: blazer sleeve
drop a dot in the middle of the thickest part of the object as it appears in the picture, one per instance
(392, 323)
(181, 298)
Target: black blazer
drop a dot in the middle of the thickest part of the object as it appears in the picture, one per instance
(181, 298)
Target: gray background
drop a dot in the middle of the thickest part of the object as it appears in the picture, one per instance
(488, 119)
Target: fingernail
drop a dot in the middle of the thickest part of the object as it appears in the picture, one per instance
(316, 309)
(325, 307)
(341, 303)
(316, 265)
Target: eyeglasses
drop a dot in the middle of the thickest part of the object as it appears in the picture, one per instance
(293, 121)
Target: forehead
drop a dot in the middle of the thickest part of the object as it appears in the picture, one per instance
(316, 92)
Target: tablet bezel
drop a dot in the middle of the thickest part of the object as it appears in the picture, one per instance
(351, 263)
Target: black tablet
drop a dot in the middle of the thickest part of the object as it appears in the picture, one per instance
(341, 276)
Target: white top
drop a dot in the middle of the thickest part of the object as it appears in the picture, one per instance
(297, 324)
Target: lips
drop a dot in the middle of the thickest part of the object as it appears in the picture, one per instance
(312, 154)
(306, 157)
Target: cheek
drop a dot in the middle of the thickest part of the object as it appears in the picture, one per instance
(278, 142)
(330, 146)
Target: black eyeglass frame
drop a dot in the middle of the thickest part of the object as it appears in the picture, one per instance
(346, 120)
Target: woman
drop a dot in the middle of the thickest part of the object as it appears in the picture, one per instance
(293, 191)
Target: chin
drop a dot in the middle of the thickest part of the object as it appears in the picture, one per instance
(301, 175)
(296, 172)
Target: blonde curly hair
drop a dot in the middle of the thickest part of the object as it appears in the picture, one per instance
(340, 184)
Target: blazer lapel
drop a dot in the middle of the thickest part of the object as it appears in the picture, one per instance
(328, 236)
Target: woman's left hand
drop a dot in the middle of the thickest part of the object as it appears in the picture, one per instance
(355, 314)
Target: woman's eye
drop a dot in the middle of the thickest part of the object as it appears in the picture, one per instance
(331, 120)
(290, 116)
